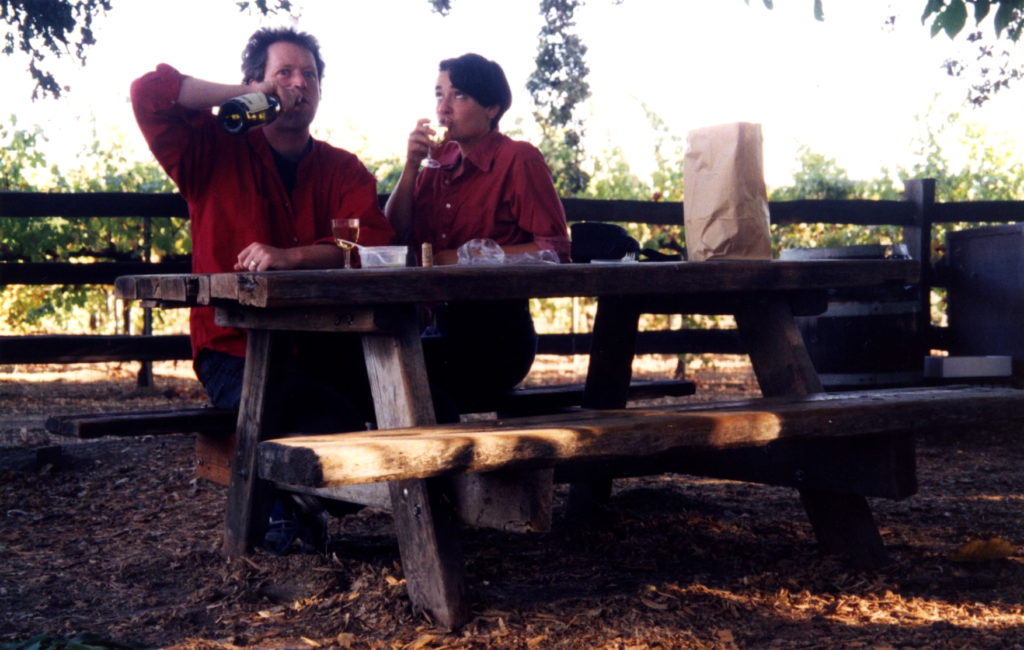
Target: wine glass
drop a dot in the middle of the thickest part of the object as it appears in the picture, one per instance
(439, 139)
(346, 233)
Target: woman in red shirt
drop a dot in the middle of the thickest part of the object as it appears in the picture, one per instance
(487, 186)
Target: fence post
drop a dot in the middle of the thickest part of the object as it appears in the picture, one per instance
(921, 193)
(145, 378)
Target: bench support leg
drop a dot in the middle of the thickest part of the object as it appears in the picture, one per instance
(585, 497)
(424, 516)
(843, 524)
(513, 501)
(428, 542)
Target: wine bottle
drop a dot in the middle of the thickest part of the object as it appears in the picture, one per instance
(240, 114)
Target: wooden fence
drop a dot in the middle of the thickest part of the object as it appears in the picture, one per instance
(917, 214)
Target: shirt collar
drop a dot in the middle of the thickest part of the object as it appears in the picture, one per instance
(482, 156)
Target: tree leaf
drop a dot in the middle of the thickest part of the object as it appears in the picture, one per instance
(953, 18)
(1004, 15)
(981, 8)
(819, 11)
(769, 4)
(933, 7)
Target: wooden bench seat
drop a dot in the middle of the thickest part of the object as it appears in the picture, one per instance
(835, 448)
(138, 423)
(216, 421)
(607, 435)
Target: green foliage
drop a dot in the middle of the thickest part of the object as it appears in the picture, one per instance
(387, 172)
(989, 172)
(818, 178)
(104, 167)
(265, 8)
(669, 151)
(994, 67)
(49, 28)
(19, 157)
(441, 6)
(42, 28)
(950, 16)
(822, 178)
(558, 85)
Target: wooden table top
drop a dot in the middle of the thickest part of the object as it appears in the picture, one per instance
(299, 288)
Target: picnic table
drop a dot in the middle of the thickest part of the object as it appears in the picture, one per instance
(380, 305)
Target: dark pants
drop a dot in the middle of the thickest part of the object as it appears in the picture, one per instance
(476, 351)
(325, 389)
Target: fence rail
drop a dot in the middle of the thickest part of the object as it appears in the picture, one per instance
(917, 215)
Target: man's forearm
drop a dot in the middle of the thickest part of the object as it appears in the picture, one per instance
(197, 94)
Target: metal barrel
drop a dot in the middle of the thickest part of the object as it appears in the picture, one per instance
(867, 338)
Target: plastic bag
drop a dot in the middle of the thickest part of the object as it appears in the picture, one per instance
(481, 251)
(487, 251)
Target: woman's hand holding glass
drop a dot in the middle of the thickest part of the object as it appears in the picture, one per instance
(424, 141)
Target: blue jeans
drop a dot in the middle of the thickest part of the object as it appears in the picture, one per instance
(221, 376)
(476, 351)
(311, 402)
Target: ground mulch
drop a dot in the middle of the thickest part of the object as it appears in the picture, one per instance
(115, 543)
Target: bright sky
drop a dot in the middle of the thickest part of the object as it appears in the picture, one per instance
(850, 88)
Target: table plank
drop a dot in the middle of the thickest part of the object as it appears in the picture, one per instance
(439, 283)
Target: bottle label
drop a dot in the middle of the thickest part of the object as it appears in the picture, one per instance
(254, 102)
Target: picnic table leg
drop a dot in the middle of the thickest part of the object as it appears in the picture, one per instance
(247, 495)
(608, 376)
(842, 522)
(776, 347)
(424, 519)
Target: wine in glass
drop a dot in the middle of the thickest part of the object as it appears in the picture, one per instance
(439, 139)
(346, 233)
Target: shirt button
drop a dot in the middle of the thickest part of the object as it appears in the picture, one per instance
(448, 205)
(443, 236)
(295, 240)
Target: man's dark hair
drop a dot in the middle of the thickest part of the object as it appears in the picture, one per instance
(481, 79)
(254, 57)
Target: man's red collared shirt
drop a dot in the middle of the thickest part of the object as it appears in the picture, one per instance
(236, 197)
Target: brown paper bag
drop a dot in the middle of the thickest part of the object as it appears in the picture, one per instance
(725, 203)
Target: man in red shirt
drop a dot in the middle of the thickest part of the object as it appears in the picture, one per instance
(260, 201)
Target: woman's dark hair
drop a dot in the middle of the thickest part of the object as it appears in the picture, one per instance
(254, 57)
(481, 79)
